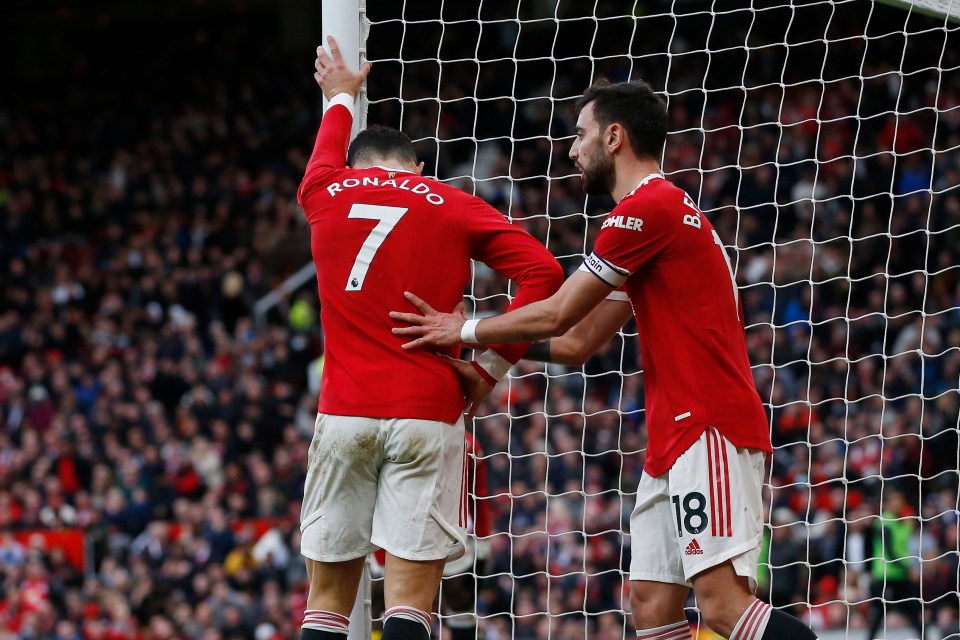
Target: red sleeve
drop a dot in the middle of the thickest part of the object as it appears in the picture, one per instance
(514, 253)
(330, 149)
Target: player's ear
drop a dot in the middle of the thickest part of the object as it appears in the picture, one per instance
(614, 137)
(419, 169)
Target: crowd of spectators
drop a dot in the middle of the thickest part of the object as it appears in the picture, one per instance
(143, 403)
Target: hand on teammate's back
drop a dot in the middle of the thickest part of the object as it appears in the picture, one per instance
(430, 328)
(475, 387)
(334, 76)
(443, 329)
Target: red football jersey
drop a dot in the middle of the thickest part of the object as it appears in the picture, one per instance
(678, 277)
(378, 232)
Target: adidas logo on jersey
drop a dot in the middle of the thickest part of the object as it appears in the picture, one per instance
(694, 549)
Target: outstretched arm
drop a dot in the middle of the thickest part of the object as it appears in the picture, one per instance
(579, 343)
(543, 319)
(340, 85)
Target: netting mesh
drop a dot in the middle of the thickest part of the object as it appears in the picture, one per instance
(822, 139)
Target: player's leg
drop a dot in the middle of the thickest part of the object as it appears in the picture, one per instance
(716, 494)
(333, 591)
(722, 597)
(336, 519)
(408, 594)
(418, 519)
(658, 610)
(658, 589)
(726, 601)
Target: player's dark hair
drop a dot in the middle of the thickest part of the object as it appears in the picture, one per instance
(636, 107)
(378, 142)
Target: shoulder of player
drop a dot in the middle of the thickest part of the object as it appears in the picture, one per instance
(657, 207)
(464, 199)
(659, 190)
(447, 188)
(656, 198)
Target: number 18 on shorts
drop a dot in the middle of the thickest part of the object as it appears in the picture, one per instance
(705, 510)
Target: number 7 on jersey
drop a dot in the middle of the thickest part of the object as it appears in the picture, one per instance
(387, 218)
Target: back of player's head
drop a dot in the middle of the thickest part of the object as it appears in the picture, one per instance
(377, 145)
(636, 107)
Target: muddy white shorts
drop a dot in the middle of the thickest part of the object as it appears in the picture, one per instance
(395, 484)
(705, 510)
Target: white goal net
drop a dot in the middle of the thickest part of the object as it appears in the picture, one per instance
(823, 141)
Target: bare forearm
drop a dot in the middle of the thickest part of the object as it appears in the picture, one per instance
(546, 318)
(533, 322)
(563, 350)
(543, 319)
(579, 343)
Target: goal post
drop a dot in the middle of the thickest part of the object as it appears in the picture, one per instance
(949, 9)
(346, 21)
(822, 139)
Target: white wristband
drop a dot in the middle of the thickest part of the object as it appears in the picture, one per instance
(343, 98)
(468, 332)
(494, 364)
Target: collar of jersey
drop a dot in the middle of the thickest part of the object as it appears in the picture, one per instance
(377, 166)
(645, 181)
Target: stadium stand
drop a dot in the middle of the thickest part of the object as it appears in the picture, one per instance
(153, 440)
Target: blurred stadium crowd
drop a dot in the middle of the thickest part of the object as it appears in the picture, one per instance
(141, 403)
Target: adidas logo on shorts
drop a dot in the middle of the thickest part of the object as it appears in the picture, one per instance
(694, 549)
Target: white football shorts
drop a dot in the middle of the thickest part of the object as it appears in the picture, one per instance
(705, 510)
(395, 484)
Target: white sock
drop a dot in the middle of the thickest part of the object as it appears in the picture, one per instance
(410, 613)
(753, 622)
(326, 621)
(676, 631)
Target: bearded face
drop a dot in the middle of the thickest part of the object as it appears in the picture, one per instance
(598, 172)
(590, 154)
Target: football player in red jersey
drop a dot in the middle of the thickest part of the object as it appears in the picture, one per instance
(386, 461)
(698, 517)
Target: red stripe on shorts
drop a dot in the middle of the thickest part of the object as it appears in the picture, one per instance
(726, 484)
(719, 481)
(713, 499)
